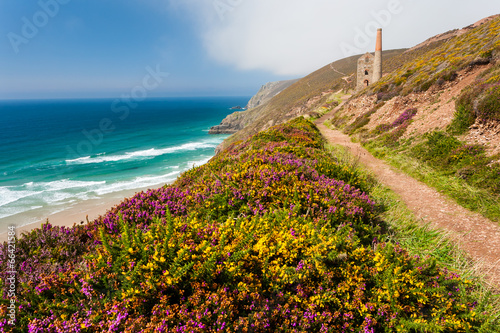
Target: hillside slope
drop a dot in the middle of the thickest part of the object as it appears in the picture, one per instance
(474, 234)
(438, 118)
(281, 233)
(238, 120)
(268, 91)
(298, 99)
(455, 84)
(434, 60)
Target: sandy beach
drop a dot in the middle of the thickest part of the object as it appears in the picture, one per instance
(76, 213)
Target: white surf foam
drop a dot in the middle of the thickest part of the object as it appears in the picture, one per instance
(146, 154)
(18, 199)
(192, 164)
(9, 195)
(137, 183)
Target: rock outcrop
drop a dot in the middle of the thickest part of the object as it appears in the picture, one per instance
(238, 120)
(268, 91)
(229, 125)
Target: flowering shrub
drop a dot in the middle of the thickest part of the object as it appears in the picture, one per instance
(46, 250)
(359, 122)
(272, 235)
(406, 116)
(446, 153)
(386, 96)
(392, 132)
(467, 153)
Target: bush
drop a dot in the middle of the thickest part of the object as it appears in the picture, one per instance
(463, 118)
(386, 96)
(391, 133)
(426, 85)
(359, 122)
(436, 148)
(405, 117)
(382, 128)
(488, 108)
(469, 162)
(481, 101)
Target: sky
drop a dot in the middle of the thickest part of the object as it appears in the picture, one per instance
(165, 48)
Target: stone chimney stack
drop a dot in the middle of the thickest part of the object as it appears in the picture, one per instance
(377, 64)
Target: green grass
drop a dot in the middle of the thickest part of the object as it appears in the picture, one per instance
(462, 120)
(466, 195)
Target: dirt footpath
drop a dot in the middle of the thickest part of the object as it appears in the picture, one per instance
(476, 235)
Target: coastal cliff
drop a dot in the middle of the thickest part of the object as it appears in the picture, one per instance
(311, 95)
(238, 120)
(231, 124)
(268, 91)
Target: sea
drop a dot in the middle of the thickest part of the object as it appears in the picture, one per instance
(57, 154)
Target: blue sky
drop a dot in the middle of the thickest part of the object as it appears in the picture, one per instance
(103, 48)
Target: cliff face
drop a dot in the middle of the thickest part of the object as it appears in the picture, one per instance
(238, 120)
(231, 124)
(268, 91)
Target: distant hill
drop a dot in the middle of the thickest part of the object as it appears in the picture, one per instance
(268, 91)
(297, 99)
(237, 120)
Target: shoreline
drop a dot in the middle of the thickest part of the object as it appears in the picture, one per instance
(75, 214)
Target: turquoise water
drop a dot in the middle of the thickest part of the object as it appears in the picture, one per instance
(55, 153)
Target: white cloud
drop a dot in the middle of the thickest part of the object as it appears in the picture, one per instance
(295, 37)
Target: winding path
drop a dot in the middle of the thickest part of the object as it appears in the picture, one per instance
(475, 234)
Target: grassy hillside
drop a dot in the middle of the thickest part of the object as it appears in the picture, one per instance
(273, 235)
(303, 95)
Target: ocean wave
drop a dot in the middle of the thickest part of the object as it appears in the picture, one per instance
(146, 154)
(30, 196)
(137, 183)
(8, 195)
(66, 184)
(49, 192)
(17, 210)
